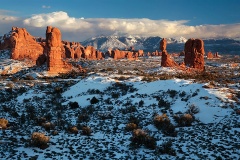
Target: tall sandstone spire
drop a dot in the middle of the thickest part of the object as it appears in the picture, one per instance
(55, 51)
(166, 58)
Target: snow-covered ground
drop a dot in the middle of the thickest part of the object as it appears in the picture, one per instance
(213, 134)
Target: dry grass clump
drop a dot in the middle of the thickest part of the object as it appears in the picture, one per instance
(73, 130)
(184, 120)
(39, 140)
(140, 137)
(131, 126)
(3, 123)
(86, 130)
(161, 121)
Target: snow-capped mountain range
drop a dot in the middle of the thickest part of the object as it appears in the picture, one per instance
(103, 43)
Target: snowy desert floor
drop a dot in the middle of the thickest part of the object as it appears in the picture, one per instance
(96, 116)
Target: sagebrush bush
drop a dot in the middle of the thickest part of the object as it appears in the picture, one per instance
(3, 123)
(73, 105)
(161, 121)
(39, 140)
(166, 148)
(140, 137)
(131, 126)
(184, 120)
(94, 100)
(86, 130)
(193, 109)
(73, 130)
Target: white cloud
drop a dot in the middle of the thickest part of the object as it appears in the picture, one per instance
(46, 7)
(79, 29)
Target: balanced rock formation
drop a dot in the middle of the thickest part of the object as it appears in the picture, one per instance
(55, 52)
(166, 58)
(194, 54)
(22, 45)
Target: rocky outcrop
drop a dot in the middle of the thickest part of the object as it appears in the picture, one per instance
(209, 55)
(23, 45)
(90, 53)
(55, 52)
(194, 54)
(166, 61)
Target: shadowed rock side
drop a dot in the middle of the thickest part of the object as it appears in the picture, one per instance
(166, 58)
(194, 54)
(22, 45)
(55, 51)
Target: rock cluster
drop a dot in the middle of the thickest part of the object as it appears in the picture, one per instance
(194, 53)
(22, 45)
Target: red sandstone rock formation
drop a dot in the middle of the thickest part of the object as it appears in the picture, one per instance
(194, 53)
(91, 53)
(166, 58)
(23, 45)
(55, 51)
(209, 55)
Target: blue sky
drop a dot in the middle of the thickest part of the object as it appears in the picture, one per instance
(81, 19)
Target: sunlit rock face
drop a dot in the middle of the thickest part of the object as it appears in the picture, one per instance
(194, 53)
(55, 52)
(22, 45)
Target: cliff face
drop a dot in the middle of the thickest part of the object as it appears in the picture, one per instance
(22, 45)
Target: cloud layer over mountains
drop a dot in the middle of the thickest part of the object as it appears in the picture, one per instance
(79, 29)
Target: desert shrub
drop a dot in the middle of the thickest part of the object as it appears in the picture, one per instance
(238, 94)
(172, 93)
(86, 130)
(40, 120)
(3, 123)
(73, 105)
(115, 95)
(31, 111)
(94, 100)
(58, 90)
(130, 109)
(162, 121)
(105, 115)
(94, 91)
(184, 120)
(48, 126)
(193, 109)
(140, 137)
(131, 126)
(83, 117)
(39, 140)
(73, 130)
(163, 103)
(133, 119)
(140, 103)
(182, 94)
(166, 148)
